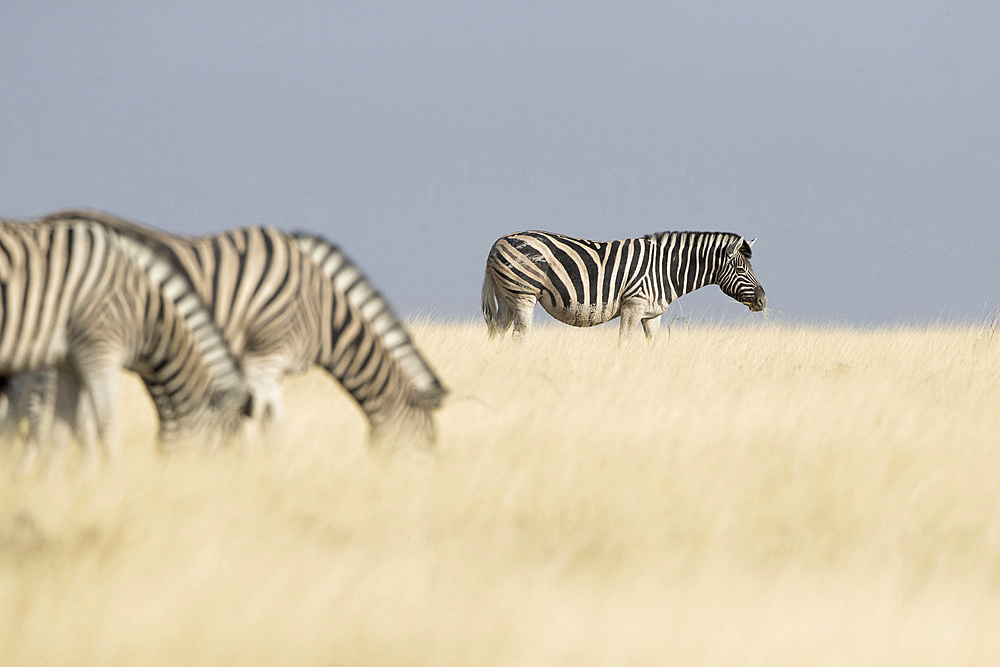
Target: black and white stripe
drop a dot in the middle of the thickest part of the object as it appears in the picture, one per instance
(286, 302)
(365, 346)
(79, 298)
(584, 283)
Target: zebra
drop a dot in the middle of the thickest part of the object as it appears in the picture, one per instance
(79, 298)
(584, 283)
(288, 301)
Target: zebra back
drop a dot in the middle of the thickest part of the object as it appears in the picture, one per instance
(246, 277)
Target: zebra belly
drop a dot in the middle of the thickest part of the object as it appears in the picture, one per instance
(25, 359)
(580, 315)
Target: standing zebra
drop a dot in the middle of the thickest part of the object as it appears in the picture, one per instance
(76, 297)
(286, 302)
(584, 283)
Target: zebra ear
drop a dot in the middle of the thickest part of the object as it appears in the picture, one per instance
(751, 242)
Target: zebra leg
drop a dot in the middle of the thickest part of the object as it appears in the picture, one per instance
(40, 404)
(87, 438)
(272, 415)
(263, 375)
(631, 313)
(67, 411)
(14, 401)
(524, 309)
(650, 325)
(26, 395)
(99, 377)
(105, 405)
(16, 395)
(8, 417)
(74, 412)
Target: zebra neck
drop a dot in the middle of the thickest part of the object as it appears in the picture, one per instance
(689, 261)
(364, 368)
(365, 346)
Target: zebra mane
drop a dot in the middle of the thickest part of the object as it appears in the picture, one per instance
(373, 309)
(659, 238)
(144, 234)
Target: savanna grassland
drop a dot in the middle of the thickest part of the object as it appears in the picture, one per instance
(749, 494)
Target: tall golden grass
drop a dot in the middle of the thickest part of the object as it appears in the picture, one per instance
(752, 494)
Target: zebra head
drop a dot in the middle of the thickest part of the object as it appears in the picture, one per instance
(736, 276)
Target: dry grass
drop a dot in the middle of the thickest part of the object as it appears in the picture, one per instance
(732, 495)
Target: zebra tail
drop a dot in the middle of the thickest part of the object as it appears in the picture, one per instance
(491, 306)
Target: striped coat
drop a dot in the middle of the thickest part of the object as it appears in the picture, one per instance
(75, 296)
(584, 283)
(287, 302)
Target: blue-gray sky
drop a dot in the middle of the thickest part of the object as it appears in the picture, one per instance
(858, 141)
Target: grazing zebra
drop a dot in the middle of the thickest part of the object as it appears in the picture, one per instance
(79, 298)
(584, 283)
(286, 302)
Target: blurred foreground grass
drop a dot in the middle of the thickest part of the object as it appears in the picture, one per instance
(749, 494)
